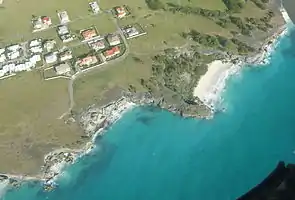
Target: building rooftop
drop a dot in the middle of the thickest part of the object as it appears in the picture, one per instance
(111, 52)
(62, 30)
(62, 69)
(63, 17)
(113, 39)
(50, 58)
(88, 34)
(88, 60)
(46, 20)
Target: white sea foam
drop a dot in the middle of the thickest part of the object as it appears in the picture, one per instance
(3, 188)
(285, 15)
(212, 84)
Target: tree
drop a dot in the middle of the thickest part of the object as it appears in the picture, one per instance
(154, 4)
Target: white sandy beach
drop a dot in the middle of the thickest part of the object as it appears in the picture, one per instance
(213, 82)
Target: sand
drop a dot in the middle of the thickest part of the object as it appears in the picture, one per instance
(213, 82)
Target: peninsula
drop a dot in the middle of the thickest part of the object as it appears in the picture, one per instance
(79, 66)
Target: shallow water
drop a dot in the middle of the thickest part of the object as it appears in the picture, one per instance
(153, 154)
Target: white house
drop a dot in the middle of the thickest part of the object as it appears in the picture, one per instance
(36, 49)
(62, 30)
(13, 55)
(62, 69)
(35, 42)
(50, 58)
(63, 17)
(2, 58)
(113, 39)
(2, 50)
(35, 58)
(66, 55)
(94, 7)
(14, 47)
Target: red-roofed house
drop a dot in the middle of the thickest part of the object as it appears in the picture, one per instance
(120, 12)
(112, 52)
(87, 61)
(46, 20)
(88, 34)
(97, 45)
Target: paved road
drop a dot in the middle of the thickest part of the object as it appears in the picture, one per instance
(112, 62)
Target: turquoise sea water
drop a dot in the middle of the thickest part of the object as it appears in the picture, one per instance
(152, 154)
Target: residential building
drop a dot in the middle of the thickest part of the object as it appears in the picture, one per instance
(35, 42)
(113, 39)
(66, 55)
(36, 49)
(13, 55)
(35, 58)
(62, 30)
(94, 7)
(120, 12)
(50, 58)
(112, 52)
(66, 38)
(2, 50)
(97, 45)
(49, 45)
(89, 34)
(37, 24)
(62, 69)
(46, 20)
(63, 17)
(14, 47)
(87, 61)
(2, 58)
(131, 31)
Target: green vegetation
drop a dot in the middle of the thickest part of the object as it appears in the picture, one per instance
(154, 4)
(234, 5)
(30, 127)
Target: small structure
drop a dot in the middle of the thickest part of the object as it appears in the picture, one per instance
(89, 33)
(97, 45)
(14, 47)
(2, 50)
(64, 34)
(65, 55)
(63, 17)
(94, 7)
(35, 42)
(36, 49)
(50, 58)
(131, 32)
(2, 58)
(62, 69)
(87, 61)
(113, 39)
(41, 23)
(13, 55)
(46, 20)
(67, 38)
(35, 58)
(112, 52)
(49, 45)
(62, 30)
(120, 11)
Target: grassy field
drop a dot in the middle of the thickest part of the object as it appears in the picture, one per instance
(103, 84)
(163, 31)
(15, 18)
(30, 126)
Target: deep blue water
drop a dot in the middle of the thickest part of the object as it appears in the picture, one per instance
(153, 154)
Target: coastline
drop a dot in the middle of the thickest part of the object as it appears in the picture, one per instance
(212, 84)
(96, 120)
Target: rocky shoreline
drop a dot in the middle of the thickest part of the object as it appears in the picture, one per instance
(95, 120)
